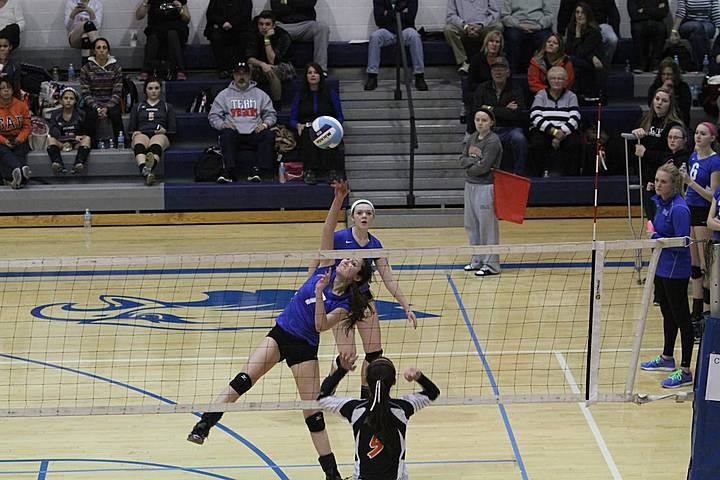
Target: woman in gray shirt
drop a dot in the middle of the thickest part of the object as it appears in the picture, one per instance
(481, 154)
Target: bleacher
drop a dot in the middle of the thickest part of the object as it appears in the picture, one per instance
(376, 141)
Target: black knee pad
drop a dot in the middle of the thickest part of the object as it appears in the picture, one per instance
(315, 422)
(139, 149)
(155, 149)
(89, 27)
(54, 153)
(706, 295)
(695, 272)
(82, 154)
(241, 383)
(370, 356)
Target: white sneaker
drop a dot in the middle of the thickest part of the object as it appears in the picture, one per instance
(16, 179)
(464, 69)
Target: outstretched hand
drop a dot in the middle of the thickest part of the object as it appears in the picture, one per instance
(341, 189)
(347, 360)
(322, 281)
(412, 374)
(411, 318)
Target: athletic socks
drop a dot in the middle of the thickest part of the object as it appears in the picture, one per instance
(329, 466)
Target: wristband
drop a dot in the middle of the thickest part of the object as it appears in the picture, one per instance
(267, 41)
(553, 131)
(673, 31)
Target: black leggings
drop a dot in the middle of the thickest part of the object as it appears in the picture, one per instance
(172, 41)
(91, 121)
(671, 294)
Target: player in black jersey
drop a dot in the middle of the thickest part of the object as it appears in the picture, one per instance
(380, 422)
(67, 133)
(151, 122)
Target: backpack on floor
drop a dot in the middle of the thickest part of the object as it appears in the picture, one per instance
(32, 77)
(709, 95)
(129, 95)
(209, 165)
(203, 100)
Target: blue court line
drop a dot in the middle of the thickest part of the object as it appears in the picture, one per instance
(491, 377)
(215, 271)
(278, 471)
(43, 470)
(161, 467)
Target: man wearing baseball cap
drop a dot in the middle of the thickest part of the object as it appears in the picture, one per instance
(508, 102)
(243, 114)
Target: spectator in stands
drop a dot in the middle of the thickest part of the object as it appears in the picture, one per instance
(479, 71)
(669, 76)
(151, 121)
(554, 137)
(298, 18)
(67, 133)
(482, 153)
(243, 114)
(314, 99)
(167, 31)
(507, 102)
(652, 135)
(677, 154)
(9, 68)
(527, 25)
(12, 20)
(229, 28)
(584, 44)
(14, 133)
(648, 30)
(469, 20)
(696, 21)
(384, 13)
(551, 54)
(83, 19)
(607, 17)
(101, 88)
(267, 52)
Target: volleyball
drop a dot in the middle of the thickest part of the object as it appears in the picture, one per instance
(326, 132)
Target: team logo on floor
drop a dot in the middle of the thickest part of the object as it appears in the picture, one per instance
(220, 310)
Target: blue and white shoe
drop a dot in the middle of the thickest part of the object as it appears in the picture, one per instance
(659, 364)
(677, 379)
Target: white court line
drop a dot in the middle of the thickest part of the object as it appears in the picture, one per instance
(589, 418)
(194, 360)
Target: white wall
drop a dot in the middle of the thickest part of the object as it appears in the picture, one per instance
(349, 19)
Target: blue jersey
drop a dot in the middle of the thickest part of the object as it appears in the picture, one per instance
(344, 240)
(672, 219)
(716, 196)
(298, 317)
(700, 171)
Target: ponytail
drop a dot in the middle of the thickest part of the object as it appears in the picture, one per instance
(380, 420)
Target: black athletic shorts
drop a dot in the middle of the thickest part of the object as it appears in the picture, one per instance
(293, 349)
(698, 216)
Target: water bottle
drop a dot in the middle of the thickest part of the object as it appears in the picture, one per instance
(71, 73)
(282, 174)
(677, 60)
(627, 66)
(56, 74)
(706, 65)
(101, 144)
(111, 143)
(87, 220)
(121, 140)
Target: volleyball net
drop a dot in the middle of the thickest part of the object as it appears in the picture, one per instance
(164, 334)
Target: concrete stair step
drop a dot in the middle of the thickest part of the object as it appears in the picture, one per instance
(401, 104)
(401, 148)
(402, 113)
(101, 163)
(426, 137)
(399, 198)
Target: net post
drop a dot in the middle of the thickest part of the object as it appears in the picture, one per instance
(640, 324)
(596, 288)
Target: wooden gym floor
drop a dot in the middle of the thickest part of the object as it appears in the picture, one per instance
(538, 441)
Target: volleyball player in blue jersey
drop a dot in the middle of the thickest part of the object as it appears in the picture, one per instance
(359, 237)
(379, 422)
(703, 178)
(296, 336)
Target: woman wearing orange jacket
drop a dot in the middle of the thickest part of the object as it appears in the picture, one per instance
(552, 54)
(14, 132)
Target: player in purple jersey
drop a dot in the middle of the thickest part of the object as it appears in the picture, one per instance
(359, 237)
(702, 178)
(296, 336)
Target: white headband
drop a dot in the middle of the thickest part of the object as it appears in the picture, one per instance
(359, 202)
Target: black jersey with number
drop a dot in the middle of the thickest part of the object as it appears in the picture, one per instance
(372, 460)
(148, 118)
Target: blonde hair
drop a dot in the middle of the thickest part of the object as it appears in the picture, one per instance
(672, 115)
(675, 177)
(493, 33)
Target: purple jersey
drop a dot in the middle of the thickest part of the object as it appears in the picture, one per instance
(716, 196)
(700, 171)
(298, 317)
(344, 240)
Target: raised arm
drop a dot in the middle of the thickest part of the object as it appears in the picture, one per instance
(328, 231)
(393, 287)
(325, 321)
